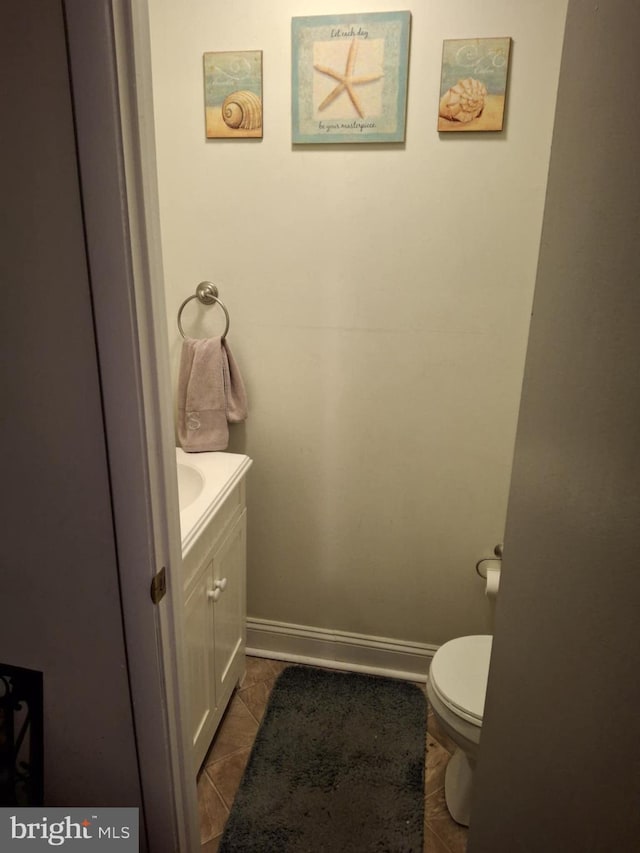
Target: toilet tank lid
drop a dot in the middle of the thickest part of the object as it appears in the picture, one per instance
(459, 672)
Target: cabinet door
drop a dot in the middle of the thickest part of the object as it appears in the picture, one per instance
(229, 570)
(200, 662)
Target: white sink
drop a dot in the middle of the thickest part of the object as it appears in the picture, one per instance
(205, 480)
(190, 485)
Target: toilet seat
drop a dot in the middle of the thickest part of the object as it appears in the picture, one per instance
(458, 675)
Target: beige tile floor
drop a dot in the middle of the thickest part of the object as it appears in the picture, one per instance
(224, 765)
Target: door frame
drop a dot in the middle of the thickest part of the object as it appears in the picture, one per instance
(110, 76)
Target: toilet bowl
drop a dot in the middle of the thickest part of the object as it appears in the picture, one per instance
(456, 691)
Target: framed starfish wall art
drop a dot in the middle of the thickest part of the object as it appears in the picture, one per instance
(349, 77)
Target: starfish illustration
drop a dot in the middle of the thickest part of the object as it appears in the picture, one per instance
(346, 80)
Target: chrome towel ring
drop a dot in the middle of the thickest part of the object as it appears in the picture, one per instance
(207, 294)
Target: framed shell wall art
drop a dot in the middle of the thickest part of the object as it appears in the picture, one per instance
(473, 84)
(349, 77)
(233, 94)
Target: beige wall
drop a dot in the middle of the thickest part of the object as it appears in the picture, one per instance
(380, 300)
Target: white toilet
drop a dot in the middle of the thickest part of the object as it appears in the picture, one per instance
(456, 690)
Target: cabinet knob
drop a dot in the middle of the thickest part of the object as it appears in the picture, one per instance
(219, 587)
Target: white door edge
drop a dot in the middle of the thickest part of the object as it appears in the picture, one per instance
(111, 80)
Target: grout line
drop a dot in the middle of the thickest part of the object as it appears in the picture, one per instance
(224, 802)
(224, 806)
(224, 757)
(439, 837)
(247, 707)
(435, 791)
(428, 825)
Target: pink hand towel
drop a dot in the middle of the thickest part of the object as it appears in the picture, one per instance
(210, 394)
(235, 394)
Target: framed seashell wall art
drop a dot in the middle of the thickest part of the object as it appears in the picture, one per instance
(233, 94)
(349, 77)
(473, 86)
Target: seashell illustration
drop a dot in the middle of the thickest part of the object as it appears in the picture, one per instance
(464, 101)
(242, 110)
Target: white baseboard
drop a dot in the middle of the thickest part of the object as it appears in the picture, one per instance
(339, 650)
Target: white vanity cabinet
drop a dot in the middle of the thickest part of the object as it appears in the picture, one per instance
(214, 564)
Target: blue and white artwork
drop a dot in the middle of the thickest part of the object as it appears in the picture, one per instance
(233, 94)
(349, 77)
(473, 84)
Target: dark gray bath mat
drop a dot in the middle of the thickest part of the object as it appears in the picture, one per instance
(337, 767)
